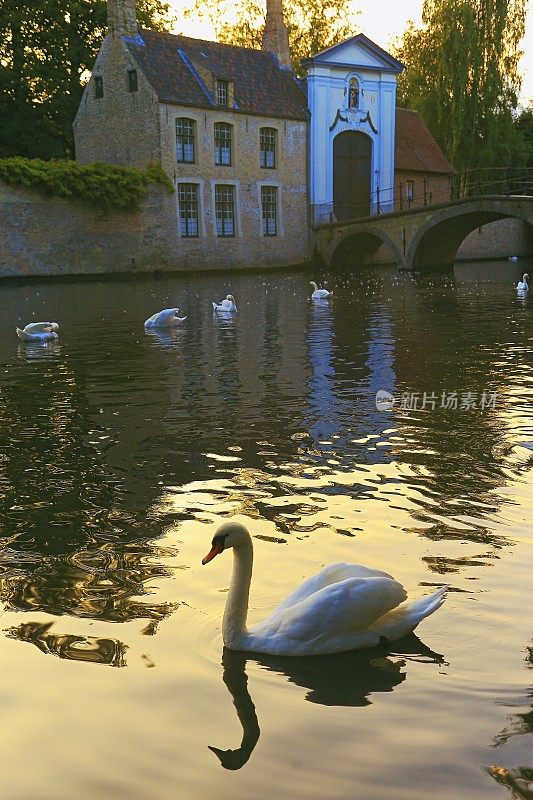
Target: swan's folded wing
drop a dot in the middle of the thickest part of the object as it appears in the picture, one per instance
(38, 327)
(344, 606)
(161, 318)
(333, 573)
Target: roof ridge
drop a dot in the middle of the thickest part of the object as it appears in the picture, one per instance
(265, 53)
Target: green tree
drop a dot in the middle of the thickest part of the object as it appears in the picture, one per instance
(313, 25)
(524, 125)
(47, 49)
(462, 76)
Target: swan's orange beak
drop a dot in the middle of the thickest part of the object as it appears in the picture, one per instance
(215, 550)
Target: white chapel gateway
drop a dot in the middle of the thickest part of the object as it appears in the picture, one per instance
(352, 100)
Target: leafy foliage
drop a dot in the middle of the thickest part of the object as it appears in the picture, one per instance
(47, 49)
(462, 76)
(313, 25)
(105, 186)
(524, 126)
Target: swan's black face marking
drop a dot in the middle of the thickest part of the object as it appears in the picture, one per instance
(217, 546)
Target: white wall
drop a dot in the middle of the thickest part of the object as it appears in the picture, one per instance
(328, 82)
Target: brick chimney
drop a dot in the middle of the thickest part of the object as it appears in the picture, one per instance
(276, 35)
(121, 17)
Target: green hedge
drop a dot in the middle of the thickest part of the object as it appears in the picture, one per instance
(104, 186)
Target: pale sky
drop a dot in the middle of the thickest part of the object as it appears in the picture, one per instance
(381, 21)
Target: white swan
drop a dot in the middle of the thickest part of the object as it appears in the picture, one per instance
(167, 318)
(228, 304)
(523, 285)
(342, 607)
(38, 335)
(319, 294)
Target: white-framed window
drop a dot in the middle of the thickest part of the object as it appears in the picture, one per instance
(269, 210)
(188, 210)
(223, 143)
(267, 148)
(221, 92)
(185, 140)
(225, 210)
(410, 190)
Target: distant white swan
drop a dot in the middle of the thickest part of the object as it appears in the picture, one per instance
(167, 318)
(319, 294)
(38, 335)
(523, 285)
(342, 607)
(228, 304)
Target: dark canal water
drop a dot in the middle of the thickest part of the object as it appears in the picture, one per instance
(122, 451)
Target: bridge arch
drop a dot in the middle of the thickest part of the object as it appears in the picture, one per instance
(436, 242)
(424, 237)
(356, 245)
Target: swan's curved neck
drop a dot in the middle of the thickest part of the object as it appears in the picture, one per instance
(236, 608)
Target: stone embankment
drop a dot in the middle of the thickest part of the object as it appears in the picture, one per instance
(47, 236)
(50, 236)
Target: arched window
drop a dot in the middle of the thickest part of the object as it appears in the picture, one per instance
(353, 93)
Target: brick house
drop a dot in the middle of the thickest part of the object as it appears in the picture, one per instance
(422, 174)
(255, 155)
(227, 124)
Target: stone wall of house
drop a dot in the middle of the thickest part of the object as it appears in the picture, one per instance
(248, 247)
(122, 127)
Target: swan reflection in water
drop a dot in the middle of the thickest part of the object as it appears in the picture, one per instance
(343, 679)
(74, 648)
(39, 351)
(165, 338)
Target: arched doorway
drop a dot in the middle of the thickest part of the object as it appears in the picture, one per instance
(352, 159)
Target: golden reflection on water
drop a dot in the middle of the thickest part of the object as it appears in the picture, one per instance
(74, 648)
(121, 451)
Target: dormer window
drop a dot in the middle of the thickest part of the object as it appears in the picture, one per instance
(353, 93)
(221, 93)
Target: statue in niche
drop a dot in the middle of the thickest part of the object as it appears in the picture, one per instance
(353, 93)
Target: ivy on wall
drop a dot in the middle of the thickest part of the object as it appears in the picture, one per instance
(104, 186)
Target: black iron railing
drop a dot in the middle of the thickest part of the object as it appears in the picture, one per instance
(434, 190)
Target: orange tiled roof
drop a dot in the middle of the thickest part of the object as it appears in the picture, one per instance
(174, 65)
(415, 149)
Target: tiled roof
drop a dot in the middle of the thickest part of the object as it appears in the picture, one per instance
(181, 70)
(416, 150)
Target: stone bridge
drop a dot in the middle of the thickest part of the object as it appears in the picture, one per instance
(427, 237)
